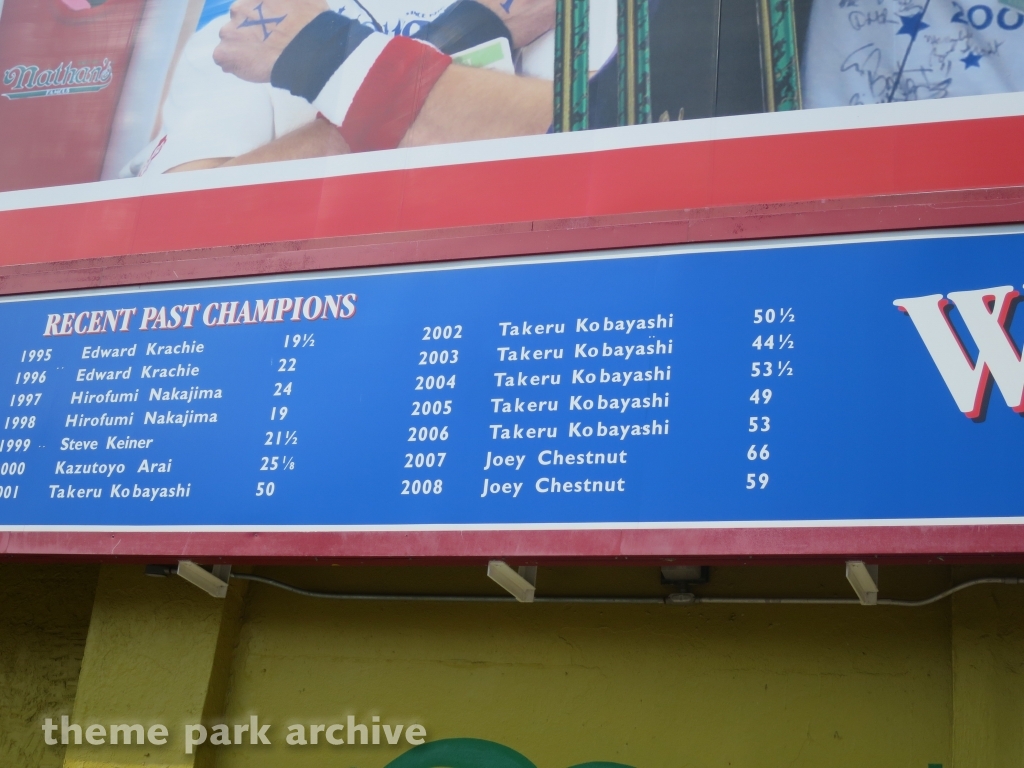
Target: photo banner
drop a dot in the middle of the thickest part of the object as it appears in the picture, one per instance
(98, 90)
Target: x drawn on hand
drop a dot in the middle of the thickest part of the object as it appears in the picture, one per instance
(262, 21)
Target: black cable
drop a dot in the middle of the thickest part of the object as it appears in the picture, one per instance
(438, 598)
(674, 599)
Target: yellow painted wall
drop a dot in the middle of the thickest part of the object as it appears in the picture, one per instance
(44, 618)
(149, 659)
(644, 686)
(988, 667)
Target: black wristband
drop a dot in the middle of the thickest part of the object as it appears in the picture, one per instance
(316, 53)
(463, 25)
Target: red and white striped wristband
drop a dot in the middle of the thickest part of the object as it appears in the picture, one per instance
(377, 93)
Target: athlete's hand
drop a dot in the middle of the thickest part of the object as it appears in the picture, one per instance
(526, 19)
(256, 33)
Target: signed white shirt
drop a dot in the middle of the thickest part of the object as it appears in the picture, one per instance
(211, 114)
(876, 51)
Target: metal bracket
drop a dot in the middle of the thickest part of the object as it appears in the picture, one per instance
(864, 580)
(682, 576)
(528, 572)
(214, 581)
(521, 584)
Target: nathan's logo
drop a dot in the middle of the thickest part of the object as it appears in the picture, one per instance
(987, 314)
(28, 81)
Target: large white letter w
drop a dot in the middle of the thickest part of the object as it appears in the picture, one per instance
(985, 314)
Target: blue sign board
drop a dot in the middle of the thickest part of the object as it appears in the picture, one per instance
(867, 379)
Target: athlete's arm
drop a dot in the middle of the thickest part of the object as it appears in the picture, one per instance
(317, 139)
(252, 40)
(470, 104)
(383, 91)
(465, 104)
(199, 165)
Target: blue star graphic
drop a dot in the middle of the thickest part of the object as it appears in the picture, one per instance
(971, 60)
(912, 24)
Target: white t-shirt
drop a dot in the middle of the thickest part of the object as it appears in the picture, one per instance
(855, 49)
(210, 114)
(538, 58)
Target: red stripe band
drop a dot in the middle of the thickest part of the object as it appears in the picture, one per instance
(392, 94)
(831, 165)
(910, 544)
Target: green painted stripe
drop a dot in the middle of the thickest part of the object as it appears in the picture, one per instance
(785, 61)
(643, 62)
(56, 91)
(634, 62)
(572, 84)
